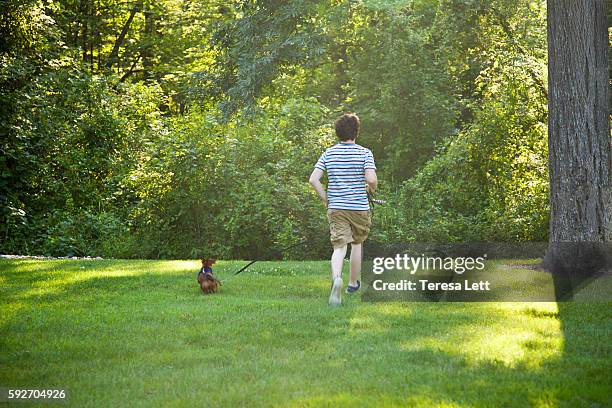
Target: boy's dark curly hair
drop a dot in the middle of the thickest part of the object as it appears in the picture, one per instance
(347, 127)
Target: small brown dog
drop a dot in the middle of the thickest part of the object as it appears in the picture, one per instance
(207, 281)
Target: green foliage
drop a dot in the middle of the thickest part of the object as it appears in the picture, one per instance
(66, 147)
(443, 202)
(400, 89)
(84, 233)
(279, 33)
(489, 181)
(235, 189)
(180, 128)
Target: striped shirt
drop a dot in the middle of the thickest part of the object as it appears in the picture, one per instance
(345, 164)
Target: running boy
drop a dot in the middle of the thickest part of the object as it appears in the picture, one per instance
(351, 173)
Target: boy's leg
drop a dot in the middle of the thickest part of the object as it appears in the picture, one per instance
(336, 264)
(356, 255)
(340, 234)
(337, 260)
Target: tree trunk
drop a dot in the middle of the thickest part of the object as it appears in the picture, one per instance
(92, 36)
(579, 144)
(115, 51)
(84, 39)
(147, 41)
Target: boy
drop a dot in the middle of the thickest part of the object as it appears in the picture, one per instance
(351, 173)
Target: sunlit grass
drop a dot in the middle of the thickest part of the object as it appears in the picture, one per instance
(511, 337)
(140, 333)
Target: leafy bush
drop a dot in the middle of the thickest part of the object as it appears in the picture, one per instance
(488, 182)
(84, 233)
(67, 145)
(235, 189)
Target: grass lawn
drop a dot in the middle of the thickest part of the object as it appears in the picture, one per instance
(140, 333)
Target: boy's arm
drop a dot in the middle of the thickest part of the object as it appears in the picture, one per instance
(315, 181)
(371, 180)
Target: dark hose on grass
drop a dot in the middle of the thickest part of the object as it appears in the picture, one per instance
(302, 242)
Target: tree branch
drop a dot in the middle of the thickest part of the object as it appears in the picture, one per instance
(115, 52)
(129, 71)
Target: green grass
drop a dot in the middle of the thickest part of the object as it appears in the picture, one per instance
(140, 333)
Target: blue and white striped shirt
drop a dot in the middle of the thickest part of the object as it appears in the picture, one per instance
(345, 164)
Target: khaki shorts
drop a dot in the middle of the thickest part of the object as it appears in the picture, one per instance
(347, 226)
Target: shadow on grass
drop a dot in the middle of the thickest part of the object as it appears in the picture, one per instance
(575, 376)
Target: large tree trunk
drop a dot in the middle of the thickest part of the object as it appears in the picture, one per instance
(579, 143)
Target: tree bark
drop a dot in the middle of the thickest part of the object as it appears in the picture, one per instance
(579, 144)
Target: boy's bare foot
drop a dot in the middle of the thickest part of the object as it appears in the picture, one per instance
(334, 296)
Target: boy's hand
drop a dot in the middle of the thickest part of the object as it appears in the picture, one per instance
(369, 189)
